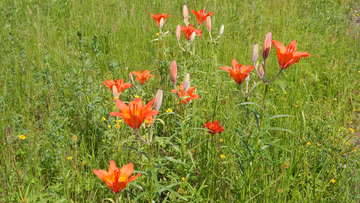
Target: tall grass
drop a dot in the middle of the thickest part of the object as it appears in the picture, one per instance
(55, 54)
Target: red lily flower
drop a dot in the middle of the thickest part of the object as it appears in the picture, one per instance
(287, 55)
(214, 127)
(187, 31)
(119, 84)
(188, 96)
(239, 72)
(142, 76)
(201, 16)
(134, 114)
(117, 179)
(158, 17)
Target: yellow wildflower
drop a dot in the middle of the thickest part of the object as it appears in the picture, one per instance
(118, 126)
(137, 96)
(182, 178)
(333, 180)
(309, 143)
(285, 92)
(352, 130)
(103, 140)
(271, 89)
(157, 34)
(355, 149)
(223, 156)
(22, 137)
(168, 110)
(221, 140)
(69, 158)
(347, 143)
(119, 121)
(296, 105)
(281, 190)
(104, 118)
(109, 126)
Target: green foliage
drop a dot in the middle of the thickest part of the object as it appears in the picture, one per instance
(55, 54)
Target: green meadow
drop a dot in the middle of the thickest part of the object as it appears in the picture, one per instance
(293, 140)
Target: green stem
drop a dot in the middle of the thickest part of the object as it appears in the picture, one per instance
(151, 175)
(258, 137)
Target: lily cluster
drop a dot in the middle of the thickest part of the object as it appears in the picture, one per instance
(286, 56)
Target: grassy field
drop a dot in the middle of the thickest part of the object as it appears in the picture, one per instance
(54, 56)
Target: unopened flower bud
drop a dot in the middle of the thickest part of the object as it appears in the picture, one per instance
(166, 33)
(222, 30)
(173, 73)
(267, 46)
(247, 78)
(255, 53)
(192, 37)
(261, 71)
(178, 29)
(185, 12)
(186, 81)
(115, 92)
(131, 78)
(186, 22)
(74, 137)
(158, 99)
(208, 23)
(161, 24)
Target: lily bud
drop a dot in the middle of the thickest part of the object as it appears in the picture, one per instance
(166, 33)
(192, 37)
(261, 71)
(161, 24)
(186, 81)
(208, 23)
(185, 12)
(247, 78)
(115, 92)
(158, 99)
(173, 73)
(222, 30)
(186, 22)
(178, 29)
(267, 46)
(255, 53)
(131, 78)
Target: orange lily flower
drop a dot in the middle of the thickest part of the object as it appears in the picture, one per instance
(214, 127)
(287, 55)
(239, 72)
(119, 84)
(158, 17)
(117, 179)
(188, 96)
(142, 76)
(201, 16)
(134, 114)
(187, 31)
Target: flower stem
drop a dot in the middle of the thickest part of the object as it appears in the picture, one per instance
(276, 76)
(258, 136)
(151, 175)
(151, 130)
(116, 199)
(137, 130)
